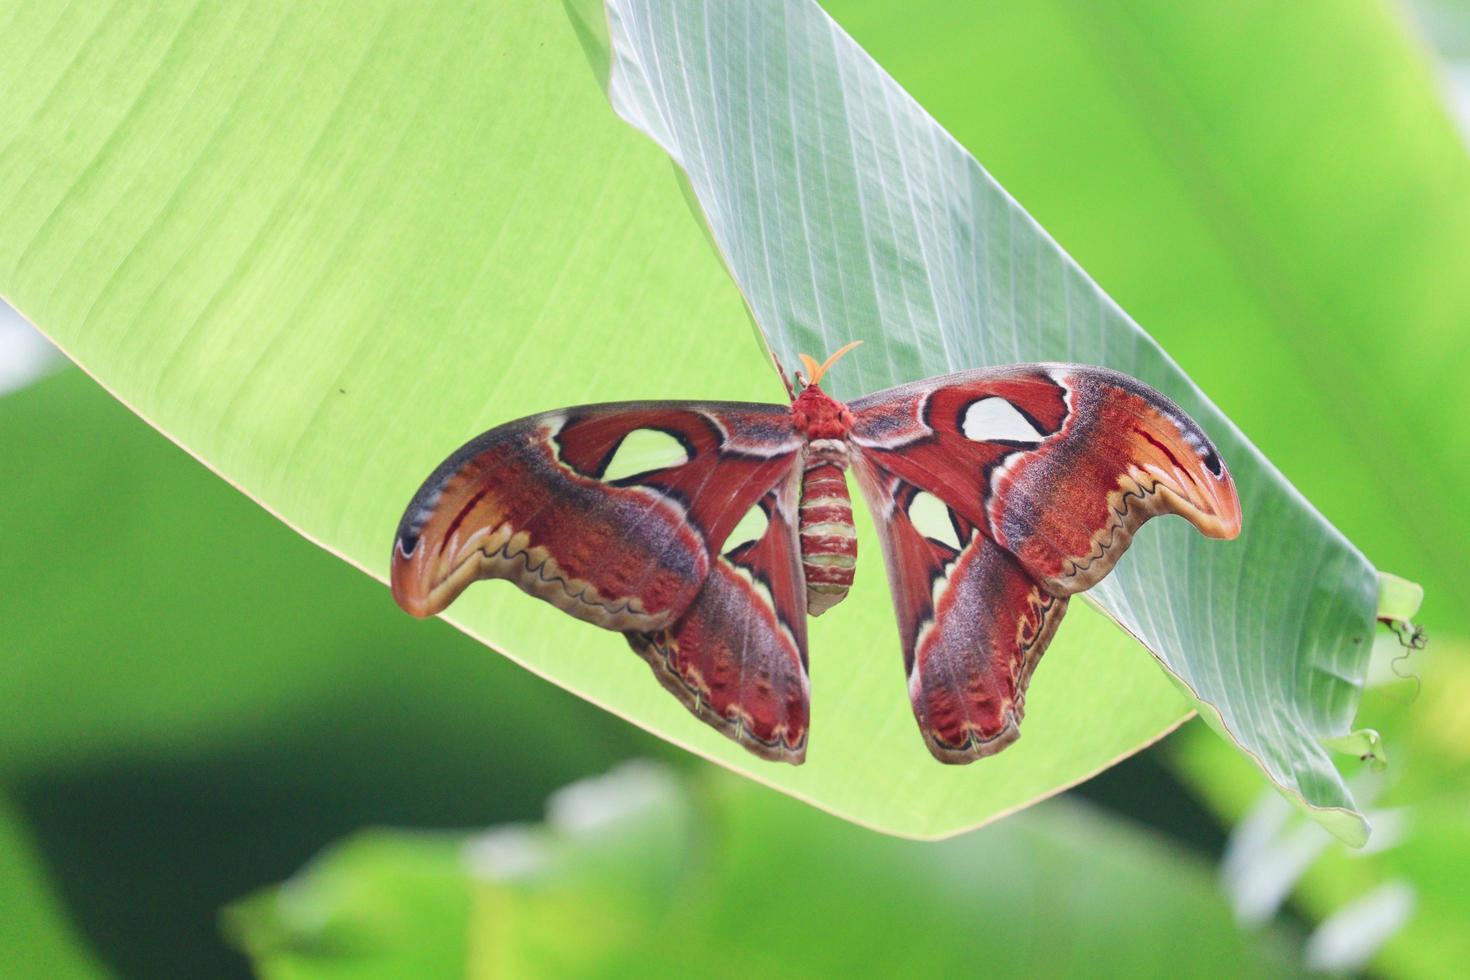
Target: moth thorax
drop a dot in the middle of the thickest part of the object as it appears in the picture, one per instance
(828, 541)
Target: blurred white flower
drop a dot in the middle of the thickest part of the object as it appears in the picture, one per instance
(25, 356)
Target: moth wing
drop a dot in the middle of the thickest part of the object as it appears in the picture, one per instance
(1032, 480)
(619, 515)
(1059, 463)
(972, 622)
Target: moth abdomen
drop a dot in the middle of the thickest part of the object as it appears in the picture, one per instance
(828, 541)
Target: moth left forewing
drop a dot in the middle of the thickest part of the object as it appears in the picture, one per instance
(549, 503)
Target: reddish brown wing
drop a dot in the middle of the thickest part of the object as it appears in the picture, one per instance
(547, 504)
(973, 624)
(1042, 474)
(737, 656)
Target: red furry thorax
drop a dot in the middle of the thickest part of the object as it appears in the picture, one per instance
(818, 415)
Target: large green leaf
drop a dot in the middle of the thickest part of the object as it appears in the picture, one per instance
(321, 246)
(637, 874)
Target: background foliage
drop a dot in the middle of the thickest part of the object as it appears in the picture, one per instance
(197, 700)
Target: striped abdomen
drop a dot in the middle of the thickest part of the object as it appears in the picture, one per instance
(828, 541)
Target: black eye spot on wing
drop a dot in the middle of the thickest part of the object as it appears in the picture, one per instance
(1212, 463)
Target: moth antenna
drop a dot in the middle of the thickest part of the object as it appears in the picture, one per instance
(813, 370)
(818, 371)
(785, 378)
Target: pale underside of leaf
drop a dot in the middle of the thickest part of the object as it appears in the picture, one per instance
(844, 211)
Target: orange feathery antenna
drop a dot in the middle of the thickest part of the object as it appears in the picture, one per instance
(815, 371)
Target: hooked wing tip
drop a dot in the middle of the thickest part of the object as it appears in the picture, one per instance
(1175, 469)
(1208, 500)
(1229, 500)
(1227, 522)
(410, 579)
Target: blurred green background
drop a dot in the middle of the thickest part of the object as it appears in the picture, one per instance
(196, 701)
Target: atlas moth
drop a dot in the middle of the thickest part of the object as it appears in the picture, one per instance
(707, 532)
